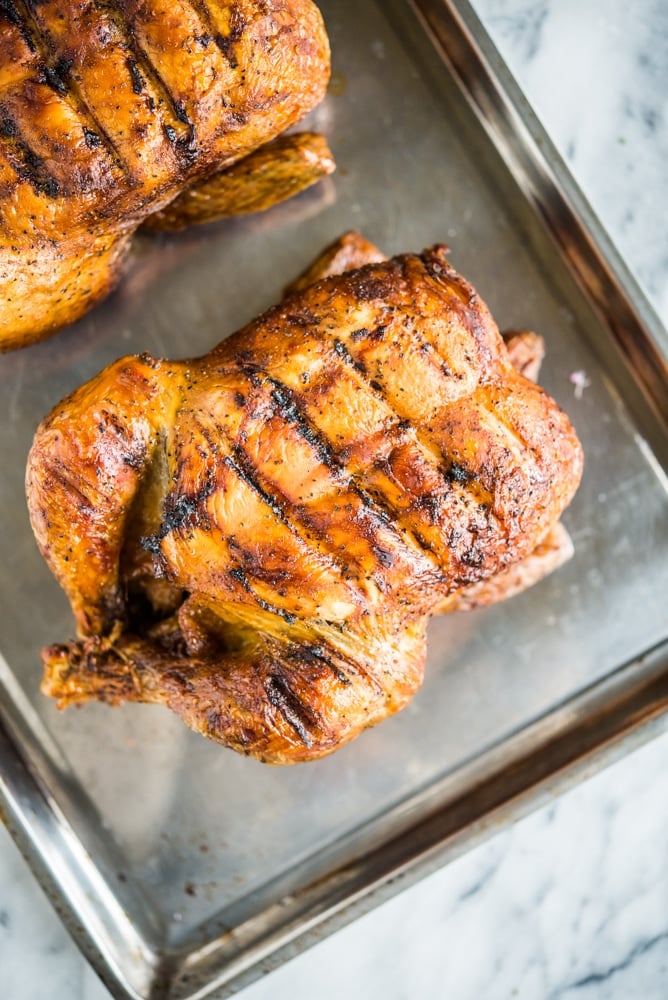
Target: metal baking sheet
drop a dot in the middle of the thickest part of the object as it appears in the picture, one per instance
(183, 869)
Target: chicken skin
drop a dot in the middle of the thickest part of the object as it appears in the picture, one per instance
(258, 537)
(113, 110)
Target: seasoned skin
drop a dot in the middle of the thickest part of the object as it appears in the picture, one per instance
(257, 538)
(346, 253)
(108, 110)
(550, 553)
(526, 351)
(273, 173)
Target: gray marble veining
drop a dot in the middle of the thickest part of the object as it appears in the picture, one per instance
(597, 75)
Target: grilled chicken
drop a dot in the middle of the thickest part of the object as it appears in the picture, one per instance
(257, 538)
(110, 111)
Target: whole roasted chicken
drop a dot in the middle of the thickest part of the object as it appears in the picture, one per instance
(115, 113)
(257, 538)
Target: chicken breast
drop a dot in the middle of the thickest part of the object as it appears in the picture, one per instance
(109, 110)
(257, 538)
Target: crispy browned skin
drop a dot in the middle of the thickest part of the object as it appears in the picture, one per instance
(108, 110)
(257, 538)
(526, 351)
(550, 553)
(273, 173)
(345, 254)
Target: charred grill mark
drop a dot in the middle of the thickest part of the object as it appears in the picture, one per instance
(378, 509)
(146, 78)
(182, 509)
(223, 42)
(382, 512)
(56, 72)
(294, 517)
(275, 575)
(59, 479)
(238, 574)
(311, 655)
(293, 710)
(287, 406)
(138, 82)
(28, 165)
(226, 43)
(388, 516)
(450, 472)
(241, 465)
(57, 76)
(345, 354)
(16, 16)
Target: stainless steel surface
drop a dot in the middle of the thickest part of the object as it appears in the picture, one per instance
(182, 868)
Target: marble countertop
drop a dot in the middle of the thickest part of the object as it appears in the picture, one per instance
(573, 900)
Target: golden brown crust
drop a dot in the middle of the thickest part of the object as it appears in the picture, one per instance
(272, 174)
(551, 553)
(350, 251)
(526, 351)
(107, 111)
(325, 479)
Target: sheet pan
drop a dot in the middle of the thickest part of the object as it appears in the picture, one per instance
(183, 870)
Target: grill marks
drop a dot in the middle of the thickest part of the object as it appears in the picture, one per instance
(289, 407)
(57, 66)
(410, 478)
(383, 358)
(391, 523)
(241, 577)
(241, 465)
(225, 37)
(411, 506)
(15, 14)
(26, 161)
(298, 685)
(236, 536)
(292, 708)
(147, 79)
(28, 164)
(337, 547)
(348, 511)
(52, 69)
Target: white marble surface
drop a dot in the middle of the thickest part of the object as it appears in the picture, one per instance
(572, 901)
